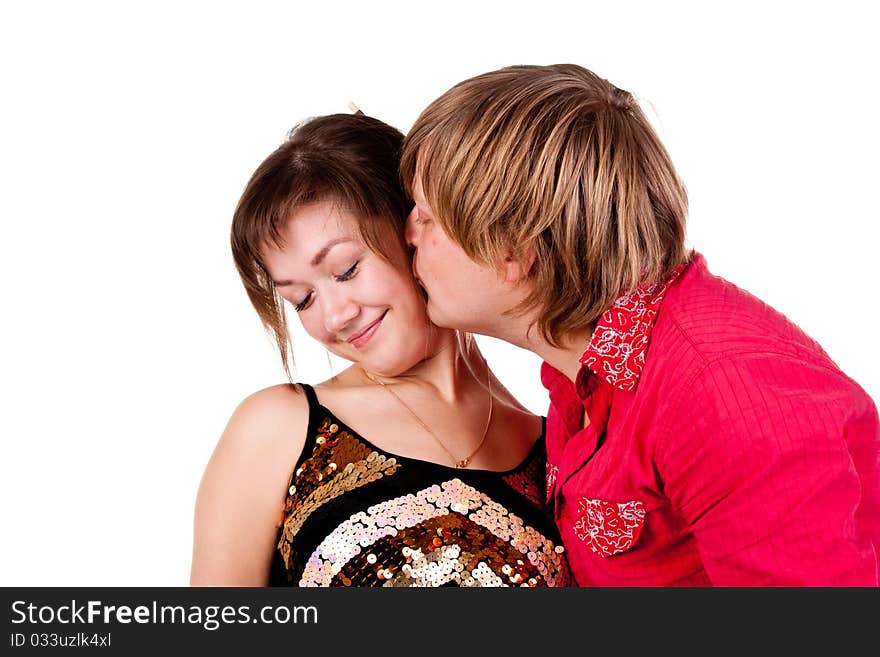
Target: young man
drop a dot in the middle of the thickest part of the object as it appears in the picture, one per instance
(695, 435)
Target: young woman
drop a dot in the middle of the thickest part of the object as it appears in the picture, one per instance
(414, 466)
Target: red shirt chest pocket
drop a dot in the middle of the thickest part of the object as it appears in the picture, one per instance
(609, 528)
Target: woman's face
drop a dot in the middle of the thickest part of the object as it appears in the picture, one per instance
(357, 304)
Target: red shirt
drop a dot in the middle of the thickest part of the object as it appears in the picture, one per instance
(724, 447)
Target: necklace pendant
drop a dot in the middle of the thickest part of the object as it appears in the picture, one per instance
(463, 463)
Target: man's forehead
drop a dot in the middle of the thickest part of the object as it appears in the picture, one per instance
(418, 192)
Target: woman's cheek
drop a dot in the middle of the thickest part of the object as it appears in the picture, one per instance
(312, 324)
(379, 288)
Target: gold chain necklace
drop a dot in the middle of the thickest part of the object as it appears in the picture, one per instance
(462, 463)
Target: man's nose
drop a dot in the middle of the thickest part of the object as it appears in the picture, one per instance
(411, 230)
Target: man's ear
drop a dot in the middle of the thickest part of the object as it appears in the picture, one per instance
(518, 269)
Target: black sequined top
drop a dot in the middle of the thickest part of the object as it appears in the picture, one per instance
(356, 515)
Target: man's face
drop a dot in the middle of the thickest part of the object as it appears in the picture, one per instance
(462, 294)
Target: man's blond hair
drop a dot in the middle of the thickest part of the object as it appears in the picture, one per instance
(560, 160)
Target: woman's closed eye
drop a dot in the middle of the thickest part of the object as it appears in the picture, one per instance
(305, 303)
(347, 275)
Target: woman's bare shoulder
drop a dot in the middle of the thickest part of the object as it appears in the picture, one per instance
(243, 487)
(263, 438)
(269, 415)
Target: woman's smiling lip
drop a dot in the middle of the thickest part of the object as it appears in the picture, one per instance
(363, 336)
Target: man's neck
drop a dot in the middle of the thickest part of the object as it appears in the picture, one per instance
(522, 332)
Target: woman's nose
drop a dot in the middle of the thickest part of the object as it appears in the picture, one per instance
(339, 311)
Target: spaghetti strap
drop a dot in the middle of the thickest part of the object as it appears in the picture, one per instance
(311, 429)
(314, 411)
(311, 396)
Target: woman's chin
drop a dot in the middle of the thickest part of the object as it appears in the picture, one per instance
(389, 362)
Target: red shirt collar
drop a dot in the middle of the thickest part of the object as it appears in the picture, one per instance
(616, 351)
(620, 340)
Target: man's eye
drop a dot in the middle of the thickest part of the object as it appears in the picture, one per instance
(348, 274)
(305, 303)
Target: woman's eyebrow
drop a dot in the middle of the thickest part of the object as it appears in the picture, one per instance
(319, 257)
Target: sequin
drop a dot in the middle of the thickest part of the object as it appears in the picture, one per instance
(421, 527)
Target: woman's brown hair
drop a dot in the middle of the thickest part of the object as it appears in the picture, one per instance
(559, 160)
(349, 159)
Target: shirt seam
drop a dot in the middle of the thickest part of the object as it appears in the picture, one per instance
(707, 363)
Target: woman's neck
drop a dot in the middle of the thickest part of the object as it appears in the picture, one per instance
(453, 366)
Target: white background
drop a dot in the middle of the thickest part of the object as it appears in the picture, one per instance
(129, 130)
